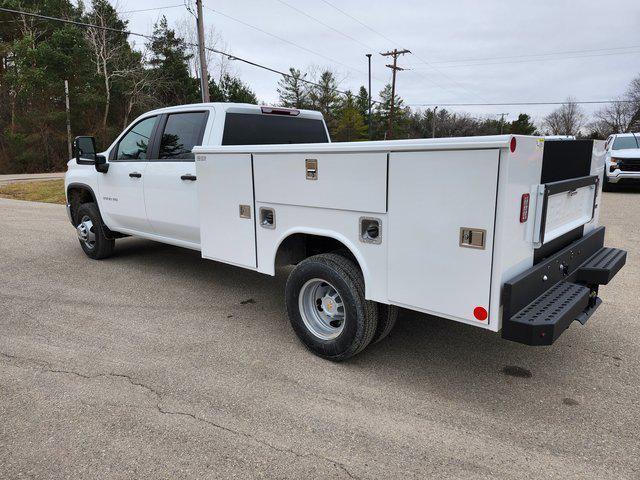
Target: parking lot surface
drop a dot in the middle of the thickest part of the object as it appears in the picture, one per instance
(158, 364)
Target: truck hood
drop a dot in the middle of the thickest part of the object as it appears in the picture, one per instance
(626, 153)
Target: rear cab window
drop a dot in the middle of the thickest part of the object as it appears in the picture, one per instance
(265, 129)
(182, 131)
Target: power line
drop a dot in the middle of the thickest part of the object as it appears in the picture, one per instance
(301, 12)
(151, 9)
(415, 54)
(288, 75)
(533, 60)
(508, 104)
(530, 55)
(308, 50)
(151, 37)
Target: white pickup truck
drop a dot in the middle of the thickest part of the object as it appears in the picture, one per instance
(496, 232)
(622, 160)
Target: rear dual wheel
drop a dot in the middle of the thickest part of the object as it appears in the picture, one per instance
(328, 310)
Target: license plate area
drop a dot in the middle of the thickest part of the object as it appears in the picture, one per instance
(566, 205)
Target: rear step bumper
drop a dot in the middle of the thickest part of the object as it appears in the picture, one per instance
(541, 303)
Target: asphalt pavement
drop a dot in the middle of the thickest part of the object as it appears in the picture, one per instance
(158, 364)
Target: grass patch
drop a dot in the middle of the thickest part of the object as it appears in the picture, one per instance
(48, 191)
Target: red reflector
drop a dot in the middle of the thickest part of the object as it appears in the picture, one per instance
(513, 145)
(524, 208)
(280, 111)
(480, 313)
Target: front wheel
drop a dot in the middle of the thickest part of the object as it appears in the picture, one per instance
(327, 309)
(90, 229)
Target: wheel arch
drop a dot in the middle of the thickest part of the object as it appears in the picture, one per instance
(77, 194)
(315, 241)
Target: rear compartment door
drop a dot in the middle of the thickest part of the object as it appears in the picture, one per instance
(434, 199)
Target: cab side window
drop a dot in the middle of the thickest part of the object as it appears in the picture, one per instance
(182, 132)
(135, 143)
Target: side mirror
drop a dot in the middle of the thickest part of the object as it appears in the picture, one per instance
(85, 150)
(101, 164)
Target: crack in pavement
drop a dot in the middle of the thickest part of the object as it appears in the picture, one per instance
(161, 410)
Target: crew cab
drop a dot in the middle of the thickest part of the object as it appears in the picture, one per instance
(506, 240)
(622, 160)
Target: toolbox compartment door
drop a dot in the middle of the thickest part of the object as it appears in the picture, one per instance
(227, 208)
(566, 205)
(433, 196)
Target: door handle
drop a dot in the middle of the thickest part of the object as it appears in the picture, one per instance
(135, 175)
(188, 176)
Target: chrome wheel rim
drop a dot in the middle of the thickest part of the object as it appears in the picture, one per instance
(86, 232)
(322, 309)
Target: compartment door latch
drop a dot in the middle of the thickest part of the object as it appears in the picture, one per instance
(473, 238)
(311, 165)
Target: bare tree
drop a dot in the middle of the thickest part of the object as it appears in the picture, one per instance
(218, 65)
(633, 94)
(141, 83)
(566, 120)
(108, 49)
(613, 118)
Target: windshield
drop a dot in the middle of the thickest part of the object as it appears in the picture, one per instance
(624, 143)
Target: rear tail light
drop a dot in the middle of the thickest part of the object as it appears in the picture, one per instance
(513, 144)
(280, 111)
(524, 207)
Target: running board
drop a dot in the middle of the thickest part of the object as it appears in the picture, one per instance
(602, 267)
(548, 316)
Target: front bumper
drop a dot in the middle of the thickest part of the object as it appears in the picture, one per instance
(541, 303)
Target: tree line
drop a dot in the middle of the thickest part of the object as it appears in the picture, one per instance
(112, 80)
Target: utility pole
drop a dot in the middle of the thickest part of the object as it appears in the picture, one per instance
(370, 132)
(66, 95)
(433, 123)
(395, 53)
(204, 77)
(502, 115)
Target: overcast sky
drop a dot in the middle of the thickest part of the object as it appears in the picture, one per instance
(465, 51)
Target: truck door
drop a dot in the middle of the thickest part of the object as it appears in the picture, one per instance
(170, 183)
(121, 188)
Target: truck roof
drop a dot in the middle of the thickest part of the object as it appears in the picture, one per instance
(236, 108)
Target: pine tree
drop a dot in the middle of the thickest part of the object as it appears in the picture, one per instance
(325, 97)
(231, 89)
(523, 125)
(362, 102)
(169, 59)
(293, 91)
(349, 125)
(383, 111)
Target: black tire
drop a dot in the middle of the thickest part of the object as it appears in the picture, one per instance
(361, 316)
(101, 247)
(606, 185)
(387, 316)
